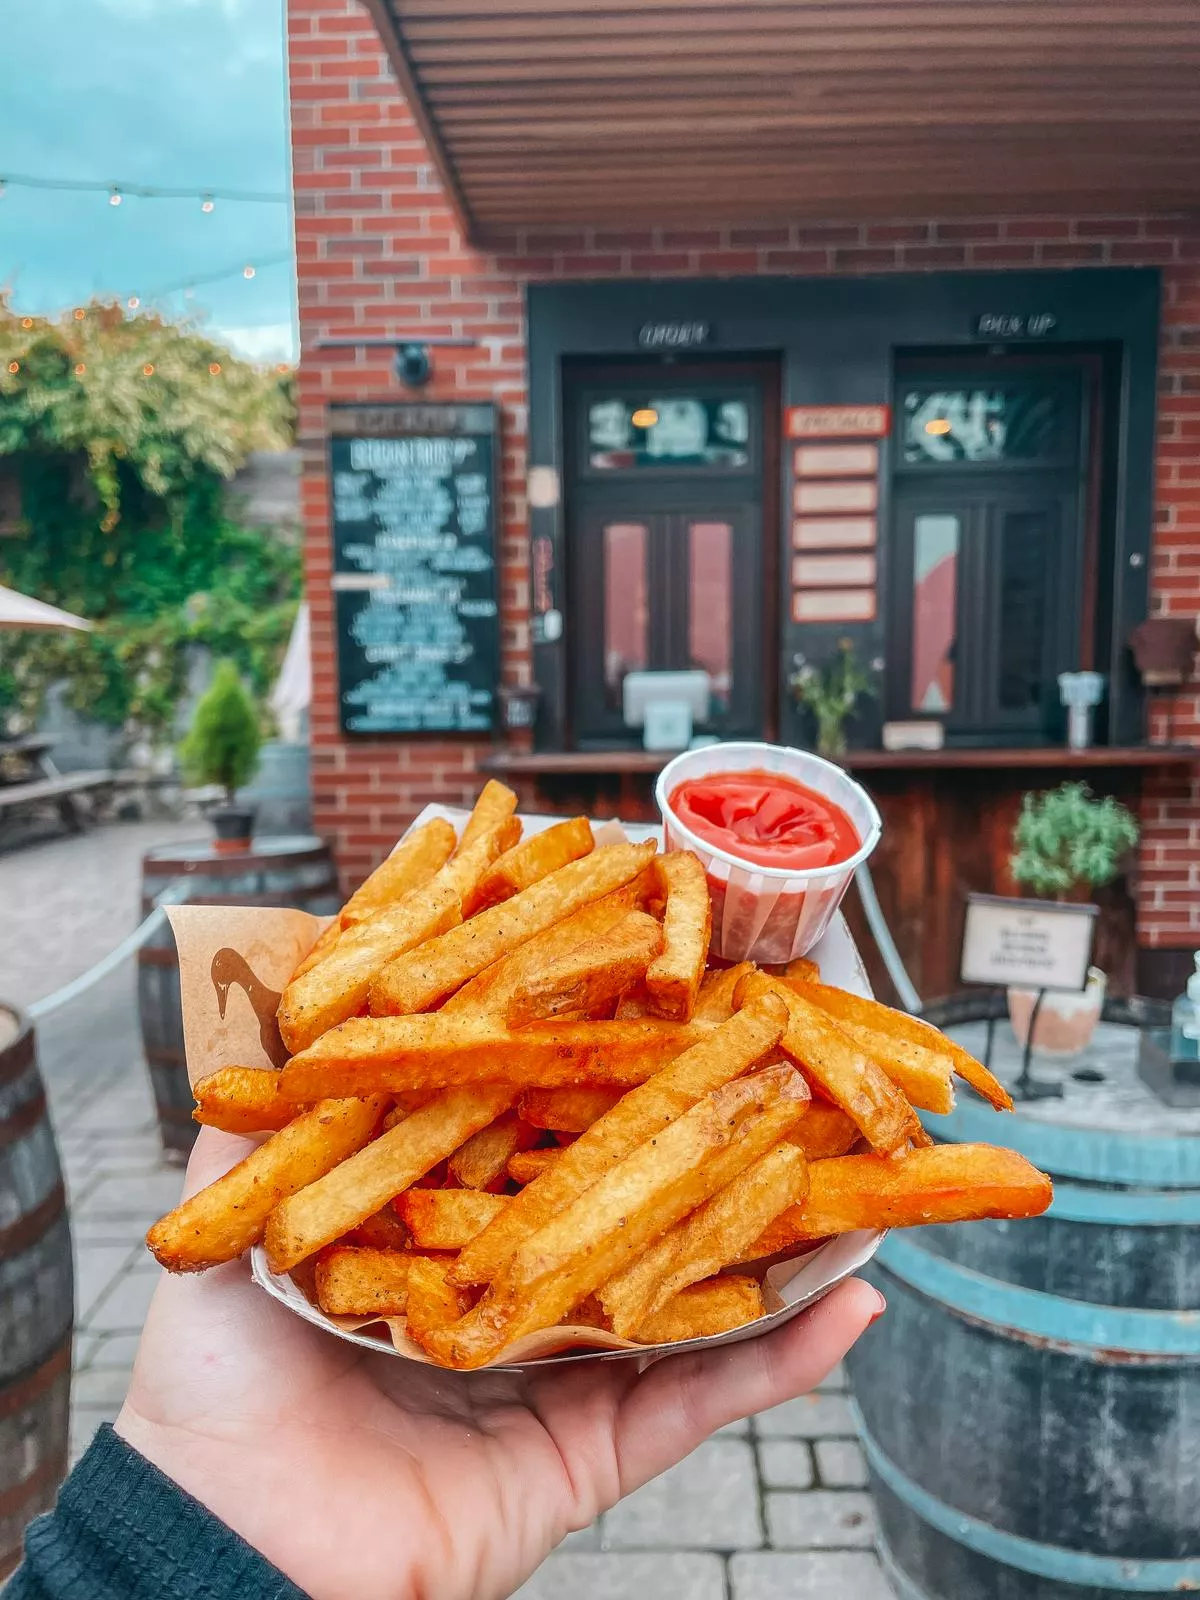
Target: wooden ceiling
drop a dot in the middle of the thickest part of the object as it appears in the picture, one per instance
(564, 112)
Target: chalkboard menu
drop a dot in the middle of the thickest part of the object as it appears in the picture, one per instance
(414, 567)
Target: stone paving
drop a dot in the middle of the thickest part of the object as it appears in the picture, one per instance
(771, 1509)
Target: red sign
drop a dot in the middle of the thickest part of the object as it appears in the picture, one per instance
(837, 422)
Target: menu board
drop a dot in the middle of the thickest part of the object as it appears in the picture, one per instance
(414, 567)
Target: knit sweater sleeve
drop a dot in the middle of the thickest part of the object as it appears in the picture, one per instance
(123, 1531)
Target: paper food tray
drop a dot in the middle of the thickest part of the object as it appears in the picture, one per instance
(233, 963)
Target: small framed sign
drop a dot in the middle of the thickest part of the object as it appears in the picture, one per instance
(1034, 944)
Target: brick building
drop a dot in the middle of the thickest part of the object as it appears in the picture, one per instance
(673, 490)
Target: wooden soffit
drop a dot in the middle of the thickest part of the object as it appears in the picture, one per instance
(700, 111)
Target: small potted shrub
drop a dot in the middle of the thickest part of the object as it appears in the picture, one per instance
(222, 747)
(1066, 843)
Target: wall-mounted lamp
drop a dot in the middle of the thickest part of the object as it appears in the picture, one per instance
(413, 364)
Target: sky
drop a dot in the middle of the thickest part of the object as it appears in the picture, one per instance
(175, 93)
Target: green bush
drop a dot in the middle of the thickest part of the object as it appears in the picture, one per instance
(1066, 839)
(224, 739)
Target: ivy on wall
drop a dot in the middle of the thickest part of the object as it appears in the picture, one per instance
(118, 434)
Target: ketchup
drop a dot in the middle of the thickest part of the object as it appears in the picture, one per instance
(767, 819)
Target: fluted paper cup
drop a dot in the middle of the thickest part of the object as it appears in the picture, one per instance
(768, 914)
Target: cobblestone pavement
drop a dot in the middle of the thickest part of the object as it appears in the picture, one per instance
(770, 1509)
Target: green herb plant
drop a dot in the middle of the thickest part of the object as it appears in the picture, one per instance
(224, 740)
(1066, 841)
(832, 692)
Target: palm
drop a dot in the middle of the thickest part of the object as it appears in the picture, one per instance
(361, 1474)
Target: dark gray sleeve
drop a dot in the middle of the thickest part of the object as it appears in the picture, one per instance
(123, 1531)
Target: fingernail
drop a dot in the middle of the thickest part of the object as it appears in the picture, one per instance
(879, 1309)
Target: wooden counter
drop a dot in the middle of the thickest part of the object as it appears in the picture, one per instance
(948, 817)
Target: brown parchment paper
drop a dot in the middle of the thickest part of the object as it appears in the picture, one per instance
(234, 962)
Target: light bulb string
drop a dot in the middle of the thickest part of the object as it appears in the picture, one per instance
(207, 196)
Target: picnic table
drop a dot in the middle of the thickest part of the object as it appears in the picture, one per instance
(29, 780)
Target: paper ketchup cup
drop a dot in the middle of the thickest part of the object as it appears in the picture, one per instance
(761, 913)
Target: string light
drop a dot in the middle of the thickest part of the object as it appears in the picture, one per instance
(148, 370)
(14, 367)
(282, 366)
(214, 368)
(80, 369)
(207, 205)
(27, 322)
(147, 191)
(80, 313)
(133, 302)
(247, 271)
(114, 198)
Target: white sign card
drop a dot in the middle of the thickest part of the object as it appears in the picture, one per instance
(1035, 944)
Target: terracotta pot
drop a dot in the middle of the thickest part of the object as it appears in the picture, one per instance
(1065, 1022)
(234, 829)
(1164, 649)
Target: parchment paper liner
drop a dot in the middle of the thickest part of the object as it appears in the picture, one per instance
(237, 959)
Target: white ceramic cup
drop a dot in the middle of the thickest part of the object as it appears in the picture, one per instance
(768, 914)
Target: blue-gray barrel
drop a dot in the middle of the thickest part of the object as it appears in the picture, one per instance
(1030, 1404)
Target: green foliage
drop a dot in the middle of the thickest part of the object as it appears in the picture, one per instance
(121, 481)
(1066, 839)
(224, 739)
(831, 693)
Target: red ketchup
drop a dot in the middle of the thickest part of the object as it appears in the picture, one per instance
(766, 819)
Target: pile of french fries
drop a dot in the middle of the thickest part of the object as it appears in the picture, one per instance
(520, 1099)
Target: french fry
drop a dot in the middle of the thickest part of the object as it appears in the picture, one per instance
(720, 1055)
(242, 1100)
(591, 974)
(426, 976)
(534, 858)
(360, 1186)
(824, 1131)
(698, 1246)
(325, 943)
(480, 1163)
(446, 1219)
(714, 1001)
(433, 1303)
(636, 1002)
(410, 866)
(926, 1076)
(659, 1182)
(466, 867)
(436, 1051)
(353, 1281)
(530, 1164)
(800, 968)
(491, 989)
(496, 802)
(382, 1231)
(337, 987)
(835, 1063)
(566, 1110)
(705, 1309)
(673, 977)
(226, 1218)
(848, 1007)
(946, 1183)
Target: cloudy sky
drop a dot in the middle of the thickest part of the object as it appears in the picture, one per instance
(172, 93)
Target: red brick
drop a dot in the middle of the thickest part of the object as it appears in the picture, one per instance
(854, 260)
(897, 233)
(1038, 228)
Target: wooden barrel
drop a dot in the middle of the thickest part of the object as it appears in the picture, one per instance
(1030, 1404)
(285, 870)
(36, 1295)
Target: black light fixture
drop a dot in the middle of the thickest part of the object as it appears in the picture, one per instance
(413, 363)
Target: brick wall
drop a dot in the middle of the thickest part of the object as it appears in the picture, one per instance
(379, 253)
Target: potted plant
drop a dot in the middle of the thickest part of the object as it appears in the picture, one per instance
(222, 747)
(1067, 843)
(832, 693)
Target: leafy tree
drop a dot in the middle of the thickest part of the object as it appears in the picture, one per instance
(224, 739)
(121, 432)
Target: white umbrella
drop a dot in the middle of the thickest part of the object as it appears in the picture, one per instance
(291, 694)
(21, 611)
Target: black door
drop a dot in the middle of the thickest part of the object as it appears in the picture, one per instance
(986, 556)
(665, 556)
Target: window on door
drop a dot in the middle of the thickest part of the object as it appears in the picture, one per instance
(987, 548)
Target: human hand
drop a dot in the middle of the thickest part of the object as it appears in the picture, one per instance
(358, 1474)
